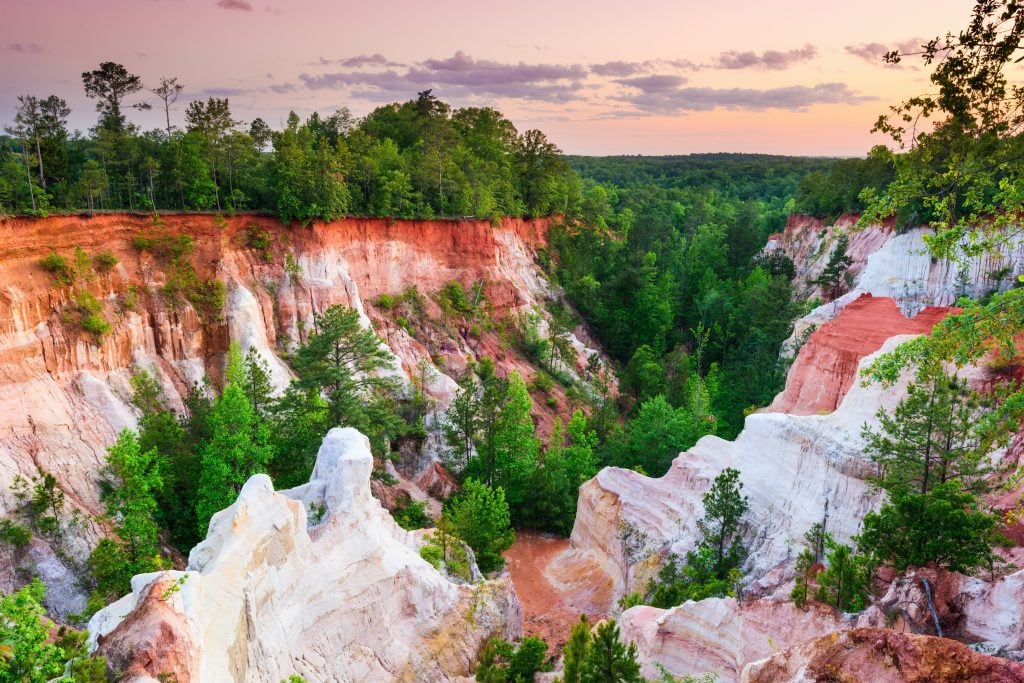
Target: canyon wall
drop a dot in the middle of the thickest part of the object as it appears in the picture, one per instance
(64, 394)
(269, 594)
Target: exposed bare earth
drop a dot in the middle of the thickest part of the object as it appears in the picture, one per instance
(550, 603)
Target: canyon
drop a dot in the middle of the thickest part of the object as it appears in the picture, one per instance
(348, 597)
(64, 395)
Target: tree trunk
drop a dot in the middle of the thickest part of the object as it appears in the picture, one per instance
(28, 174)
(39, 156)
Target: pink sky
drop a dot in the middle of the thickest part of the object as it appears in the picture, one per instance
(599, 77)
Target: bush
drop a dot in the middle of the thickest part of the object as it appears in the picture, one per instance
(386, 302)
(944, 526)
(104, 261)
(501, 662)
(58, 266)
(96, 325)
(432, 554)
(91, 310)
(165, 246)
(453, 299)
(12, 533)
(258, 239)
(412, 516)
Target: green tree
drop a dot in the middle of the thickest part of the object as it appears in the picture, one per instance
(724, 507)
(341, 360)
(930, 438)
(944, 527)
(29, 654)
(480, 516)
(575, 650)
(609, 661)
(655, 435)
(109, 86)
(844, 583)
(801, 589)
(129, 493)
(515, 445)
(461, 424)
(238, 446)
(833, 275)
(501, 662)
(644, 375)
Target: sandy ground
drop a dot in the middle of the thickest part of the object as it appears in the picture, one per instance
(550, 606)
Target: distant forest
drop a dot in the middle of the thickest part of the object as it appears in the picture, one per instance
(418, 159)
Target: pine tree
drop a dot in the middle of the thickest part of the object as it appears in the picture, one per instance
(575, 650)
(460, 425)
(608, 660)
(341, 360)
(945, 527)
(516, 446)
(833, 276)
(930, 438)
(844, 582)
(130, 497)
(238, 447)
(724, 507)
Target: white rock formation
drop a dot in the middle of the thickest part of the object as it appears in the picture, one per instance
(265, 596)
(790, 467)
(896, 265)
(720, 635)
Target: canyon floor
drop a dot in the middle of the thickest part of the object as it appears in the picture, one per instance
(552, 599)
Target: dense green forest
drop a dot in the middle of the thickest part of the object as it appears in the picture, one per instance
(664, 264)
(417, 159)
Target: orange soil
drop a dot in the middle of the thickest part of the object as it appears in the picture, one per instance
(547, 612)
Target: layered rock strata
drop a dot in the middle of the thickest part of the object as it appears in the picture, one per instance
(268, 594)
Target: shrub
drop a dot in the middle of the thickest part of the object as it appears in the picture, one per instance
(165, 246)
(386, 302)
(432, 554)
(208, 298)
(258, 239)
(58, 266)
(14, 534)
(91, 310)
(412, 516)
(453, 299)
(104, 261)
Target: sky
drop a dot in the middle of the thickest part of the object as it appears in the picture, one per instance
(796, 77)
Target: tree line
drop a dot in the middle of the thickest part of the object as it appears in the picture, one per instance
(416, 159)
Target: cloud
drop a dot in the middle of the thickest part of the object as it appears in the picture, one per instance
(243, 5)
(771, 60)
(873, 53)
(220, 92)
(281, 88)
(362, 61)
(793, 98)
(619, 69)
(654, 83)
(462, 76)
(463, 69)
(23, 48)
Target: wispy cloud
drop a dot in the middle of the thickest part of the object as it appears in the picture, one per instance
(654, 83)
(873, 53)
(461, 75)
(362, 61)
(23, 48)
(243, 5)
(620, 69)
(666, 101)
(771, 60)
